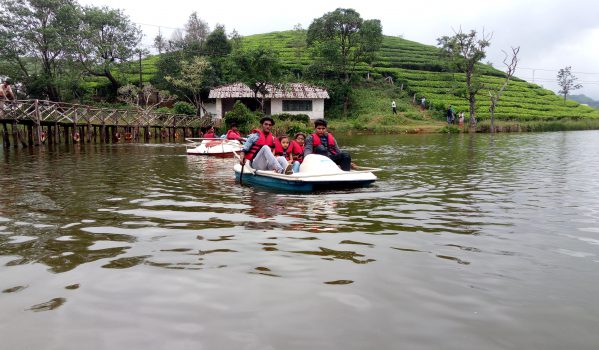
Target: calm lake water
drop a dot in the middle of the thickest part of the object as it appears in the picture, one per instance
(465, 242)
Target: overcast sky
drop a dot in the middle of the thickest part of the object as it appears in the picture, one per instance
(552, 34)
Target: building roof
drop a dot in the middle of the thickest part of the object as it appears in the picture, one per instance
(292, 90)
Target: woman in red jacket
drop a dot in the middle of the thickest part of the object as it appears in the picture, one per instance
(296, 150)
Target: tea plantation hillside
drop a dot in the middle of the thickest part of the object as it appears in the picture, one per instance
(423, 73)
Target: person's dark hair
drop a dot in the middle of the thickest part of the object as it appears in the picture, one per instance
(8, 82)
(282, 137)
(298, 134)
(233, 125)
(263, 119)
(320, 121)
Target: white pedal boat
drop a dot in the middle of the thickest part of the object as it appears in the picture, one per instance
(212, 147)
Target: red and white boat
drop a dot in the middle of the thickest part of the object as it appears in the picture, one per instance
(212, 147)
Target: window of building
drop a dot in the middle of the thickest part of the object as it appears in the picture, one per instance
(297, 105)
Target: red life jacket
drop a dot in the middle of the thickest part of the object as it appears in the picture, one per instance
(331, 141)
(263, 140)
(296, 151)
(232, 135)
(210, 135)
(279, 150)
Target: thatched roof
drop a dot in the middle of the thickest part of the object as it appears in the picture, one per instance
(289, 91)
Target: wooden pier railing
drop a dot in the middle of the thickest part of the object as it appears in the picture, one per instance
(33, 122)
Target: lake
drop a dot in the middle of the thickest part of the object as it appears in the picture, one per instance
(465, 242)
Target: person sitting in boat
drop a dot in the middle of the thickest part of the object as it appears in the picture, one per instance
(323, 143)
(210, 133)
(233, 133)
(259, 149)
(296, 149)
(282, 148)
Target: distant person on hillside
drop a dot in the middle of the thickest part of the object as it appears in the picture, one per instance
(323, 143)
(450, 115)
(423, 103)
(394, 107)
(461, 120)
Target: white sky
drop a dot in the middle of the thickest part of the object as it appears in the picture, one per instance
(552, 34)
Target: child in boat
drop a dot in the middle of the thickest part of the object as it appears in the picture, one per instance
(233, 133)
(282, 147)
(210, 134)
(296, 150)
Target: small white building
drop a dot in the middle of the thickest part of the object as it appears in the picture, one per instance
(294, 98)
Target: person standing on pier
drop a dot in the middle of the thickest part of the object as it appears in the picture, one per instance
(6, 93)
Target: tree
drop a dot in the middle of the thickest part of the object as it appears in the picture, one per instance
(236, 39)
(192, 80)
(35, 38)
(299, 44)
(217, 44)
(340, 40)
(105, 38)
(257, 68)
(196, 32)
(567, 81)
(160, 43)
(176, 40)
(495, 94)
(145, 99)
(343, 38)
(465, 50)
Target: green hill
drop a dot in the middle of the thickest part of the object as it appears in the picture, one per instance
(421, 71)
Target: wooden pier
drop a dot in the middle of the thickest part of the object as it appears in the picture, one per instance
(35, 122)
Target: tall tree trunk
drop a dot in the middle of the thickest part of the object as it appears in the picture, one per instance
(492, 110)
(472, 100)
(113, 82)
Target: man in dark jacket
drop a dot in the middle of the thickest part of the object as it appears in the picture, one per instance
(323, 143)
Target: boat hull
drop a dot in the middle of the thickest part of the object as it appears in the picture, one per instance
(300, 186)
(213, 147)
(317, 173)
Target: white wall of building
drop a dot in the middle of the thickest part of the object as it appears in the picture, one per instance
(210, 107)
(276, 107)
(218, 109)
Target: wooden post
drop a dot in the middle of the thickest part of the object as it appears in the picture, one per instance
(57, 133)
(66, 134)
(38, 131)
(15, 136)
(5, 136)
(30, 135)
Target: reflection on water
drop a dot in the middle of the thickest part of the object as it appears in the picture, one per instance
(463, 237)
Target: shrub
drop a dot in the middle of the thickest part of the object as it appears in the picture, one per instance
(183, 107)
(290, 128)
(301, 118)
(245, 119)
(450, 129)
(163, 110)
